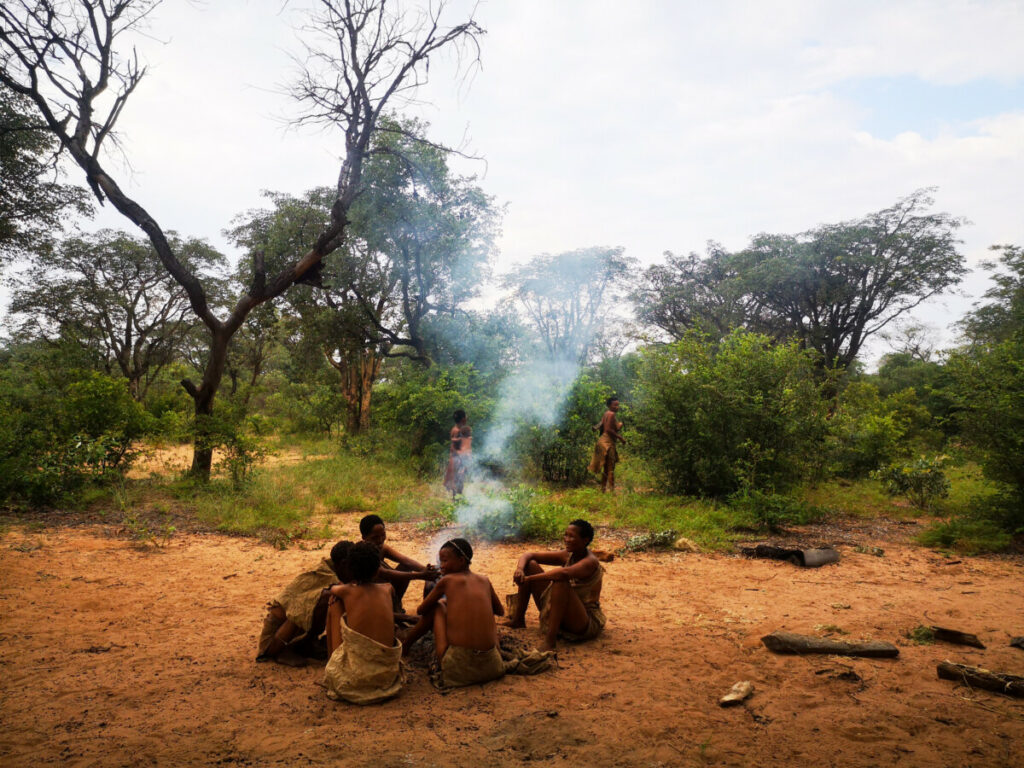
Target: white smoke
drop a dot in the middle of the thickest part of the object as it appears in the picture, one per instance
(535, 395)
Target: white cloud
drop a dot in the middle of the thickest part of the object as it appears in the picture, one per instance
(653, 125)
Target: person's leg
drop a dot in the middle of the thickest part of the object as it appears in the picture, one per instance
(441, 629)
(535, 589)
(608, 480)
(277, 649)
(400, 587)
(333, 626)
(566, 611)
(424, 625)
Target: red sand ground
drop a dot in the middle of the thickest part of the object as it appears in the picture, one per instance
(112, 655)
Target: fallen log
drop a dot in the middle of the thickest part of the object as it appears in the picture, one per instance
(806, 558)
(976, 677)
(955, 636)
(789, 642)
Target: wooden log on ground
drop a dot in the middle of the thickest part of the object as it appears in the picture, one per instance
(955, 636)
(789, 642)
(976, 677)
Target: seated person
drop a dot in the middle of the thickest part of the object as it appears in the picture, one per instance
(298, 614)
(366, 666)
(461, 609)
(568, 596)
(372, 529)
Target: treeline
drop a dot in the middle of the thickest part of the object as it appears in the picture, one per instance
(367, 311)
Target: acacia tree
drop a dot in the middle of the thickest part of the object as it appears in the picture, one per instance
(691, 292)
(110, 294)
(364, 55)
(831, 288)
(570, 298)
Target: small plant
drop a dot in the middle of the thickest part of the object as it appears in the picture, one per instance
(921, 635)
(921, 482)
(773, 511)
(645, 541)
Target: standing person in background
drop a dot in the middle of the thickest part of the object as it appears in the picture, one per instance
(606, 454)
(451, 480)
(463, 458)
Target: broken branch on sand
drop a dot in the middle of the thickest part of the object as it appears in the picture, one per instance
(789, 642)
(976, 677)
(955, 636)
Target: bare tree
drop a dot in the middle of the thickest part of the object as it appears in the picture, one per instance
(367, 54)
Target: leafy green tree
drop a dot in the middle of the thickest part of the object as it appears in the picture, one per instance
(693, 293)
(713, 418)
(362, 58)
(830, 288)
(33, 205)
(109, 292)
(989, 379)
(569, 299)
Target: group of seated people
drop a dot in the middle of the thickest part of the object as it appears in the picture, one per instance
(354, 598)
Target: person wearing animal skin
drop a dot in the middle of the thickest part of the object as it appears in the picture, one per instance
(365, 665)
(454, 443)
(461, 609)
(373, 531)
(568, 595)
(606, 454)
(298, 614)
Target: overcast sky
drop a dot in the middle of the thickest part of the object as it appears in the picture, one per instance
(651, 125)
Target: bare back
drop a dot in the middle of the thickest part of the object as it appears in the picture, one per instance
(369, 611)
(470, 613)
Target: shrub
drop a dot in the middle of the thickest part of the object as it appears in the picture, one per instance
(713, 417)
(867, 431)
(518, 513)
(772, 511)
(560, 453)
(922, 482)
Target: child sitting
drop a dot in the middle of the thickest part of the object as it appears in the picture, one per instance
(461, 609)
(367, 665)
(298, 613)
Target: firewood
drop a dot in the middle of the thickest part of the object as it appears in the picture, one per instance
(955, 636)
(976, 677)
(788, 642)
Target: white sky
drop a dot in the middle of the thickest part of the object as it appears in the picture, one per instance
(651, 125)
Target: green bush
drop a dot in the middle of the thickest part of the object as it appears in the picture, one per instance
(922, 481)
(58, 434)
(712, 418)
(867, 431)
(518, 513)
(418, 404)
(772, 511)
(560, 453)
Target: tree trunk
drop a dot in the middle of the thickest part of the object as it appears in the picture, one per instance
(203, 396)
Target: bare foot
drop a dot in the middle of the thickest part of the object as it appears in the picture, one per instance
(546, 646)
(513, 624)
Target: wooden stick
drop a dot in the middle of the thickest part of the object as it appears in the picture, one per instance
(788, 642)
(976, 677)
(955, 636)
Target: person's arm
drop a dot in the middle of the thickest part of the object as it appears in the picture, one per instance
(557, 557)
(496, 606)
(612, 427)
(435, 594)
(580, 571)
(392, 554)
